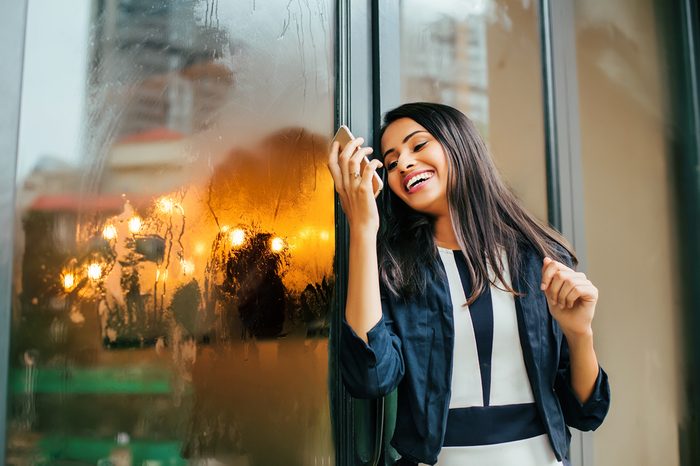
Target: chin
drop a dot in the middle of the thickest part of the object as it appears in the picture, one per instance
(426, 208)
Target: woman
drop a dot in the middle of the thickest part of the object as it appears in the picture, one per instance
(464, 301)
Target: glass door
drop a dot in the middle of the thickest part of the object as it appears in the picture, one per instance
(174, 234)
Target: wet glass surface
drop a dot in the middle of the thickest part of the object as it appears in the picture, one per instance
(175, 235)
(483, 57)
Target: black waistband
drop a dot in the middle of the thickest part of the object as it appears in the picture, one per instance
(487, 425)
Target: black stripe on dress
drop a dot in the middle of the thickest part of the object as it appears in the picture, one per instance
(481, 312)
(488, 425)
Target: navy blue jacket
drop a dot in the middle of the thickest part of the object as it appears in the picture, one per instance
(411, 348)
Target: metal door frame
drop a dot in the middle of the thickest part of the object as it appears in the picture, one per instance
(13, 22)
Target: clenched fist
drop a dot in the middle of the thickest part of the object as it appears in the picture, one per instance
(571, 297)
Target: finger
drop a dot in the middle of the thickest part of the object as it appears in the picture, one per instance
(584, 292)
(356, 161)
(344, 157)
(372, 168)
(568, 285)
(369, 171)
(572, 296)
(350, 148)
(333, 166)
(577, 283)
(549, 268)
(588, 292)
(557, 281)
(356, 158)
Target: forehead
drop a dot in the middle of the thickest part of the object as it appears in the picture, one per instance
(397, 131)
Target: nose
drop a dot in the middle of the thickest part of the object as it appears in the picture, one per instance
(405, 163)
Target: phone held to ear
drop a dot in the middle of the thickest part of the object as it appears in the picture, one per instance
(344, 136)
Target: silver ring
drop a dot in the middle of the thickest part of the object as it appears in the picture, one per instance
(356, 175)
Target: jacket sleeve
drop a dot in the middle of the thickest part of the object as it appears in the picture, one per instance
(373, 369)
(582, 416)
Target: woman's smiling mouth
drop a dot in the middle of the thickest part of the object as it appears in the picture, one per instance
(415, 181)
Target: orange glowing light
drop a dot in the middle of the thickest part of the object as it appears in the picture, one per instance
(277, 244)
(225, 228)
(94, 271)
(237, 237)
(187, 267)
(166, 205)
(68, 281)
(109, 232)
(324, 235)
(135, 224)
(199, 248)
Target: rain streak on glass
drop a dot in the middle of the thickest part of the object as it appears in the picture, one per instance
(174, 256)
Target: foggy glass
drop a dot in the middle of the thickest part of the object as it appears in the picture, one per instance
(623, 50)
(174, 235)
(483, 57)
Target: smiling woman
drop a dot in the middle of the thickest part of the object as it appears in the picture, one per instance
(444, 303)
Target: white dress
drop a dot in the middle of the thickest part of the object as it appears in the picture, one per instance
(493, 418)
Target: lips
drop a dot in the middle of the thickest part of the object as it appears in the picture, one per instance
(414, 181)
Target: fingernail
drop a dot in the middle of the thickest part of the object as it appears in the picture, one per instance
(542, 287)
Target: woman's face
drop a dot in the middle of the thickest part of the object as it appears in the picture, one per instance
(416, 166)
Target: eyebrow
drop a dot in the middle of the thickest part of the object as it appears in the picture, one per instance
(404, 140)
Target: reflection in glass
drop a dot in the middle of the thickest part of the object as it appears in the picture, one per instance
(629, 149)
(173, 277)
(483, 57)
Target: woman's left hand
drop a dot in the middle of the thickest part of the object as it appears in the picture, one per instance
(571, 297)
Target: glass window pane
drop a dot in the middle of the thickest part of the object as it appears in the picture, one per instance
(175, 234)
(627, 154)
(483, 57)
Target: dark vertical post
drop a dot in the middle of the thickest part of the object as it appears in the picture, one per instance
(682, 24)
(357, 423)
(563, 146)
(340, 403)
(689, 206)
(12, 26)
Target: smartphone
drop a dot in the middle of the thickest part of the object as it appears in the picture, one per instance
(344, 136)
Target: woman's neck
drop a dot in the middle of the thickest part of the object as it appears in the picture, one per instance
(444, 234)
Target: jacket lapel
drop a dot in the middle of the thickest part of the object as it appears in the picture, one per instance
(529, 317)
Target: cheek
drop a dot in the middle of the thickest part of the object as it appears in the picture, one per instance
(395, 183)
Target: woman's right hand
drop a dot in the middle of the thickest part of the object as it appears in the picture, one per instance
(355, 192)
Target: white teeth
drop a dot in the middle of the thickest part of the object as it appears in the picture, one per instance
(419, 177)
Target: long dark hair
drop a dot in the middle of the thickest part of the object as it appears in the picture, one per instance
(486, 215)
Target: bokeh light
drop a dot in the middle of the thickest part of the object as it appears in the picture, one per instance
(135, 224)
(94, 271)
(109, 232)
(237, 237)
(277, 244)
